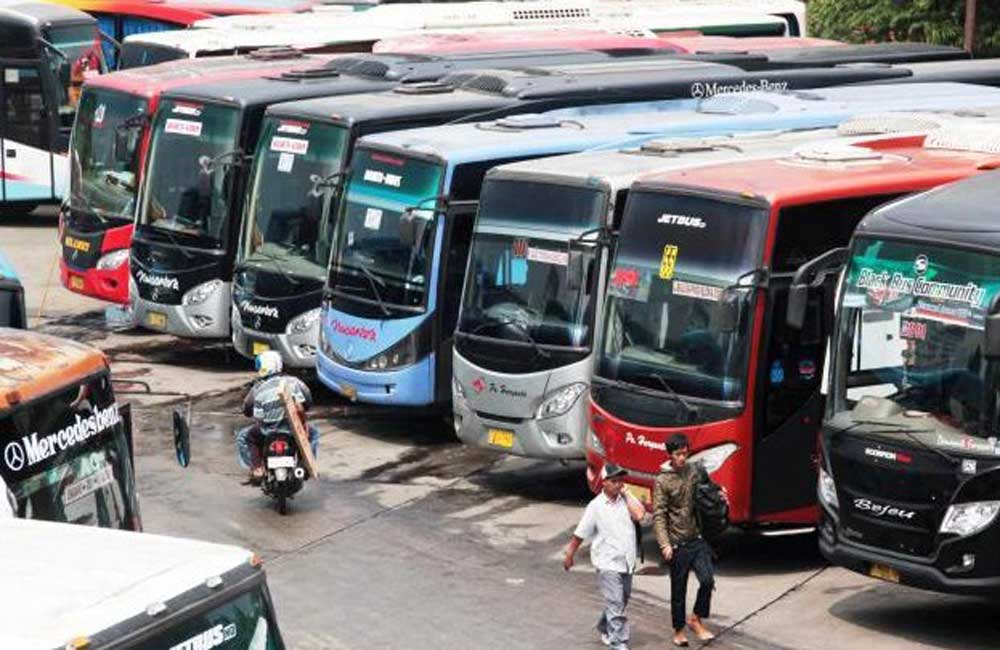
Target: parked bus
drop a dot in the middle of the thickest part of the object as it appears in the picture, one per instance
(108, 152)
(276, 301)
(46, 51)
(695, 336)
(12, 310)
(326, 30)
(192, 200)
(66, 441)
(121, 18)
(574, 204)
(92, 589)
(908, 454)
(209, 221)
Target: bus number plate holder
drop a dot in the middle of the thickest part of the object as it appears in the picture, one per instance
(75, 282)
(156, 319)
(258, 347)
(500, 438)
(883, 572)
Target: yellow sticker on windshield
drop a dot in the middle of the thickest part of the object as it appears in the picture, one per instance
(668, 262)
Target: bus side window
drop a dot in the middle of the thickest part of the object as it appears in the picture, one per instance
(108, 24)
(24, 116)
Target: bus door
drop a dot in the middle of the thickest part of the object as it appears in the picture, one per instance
(25, 134)
(459, 220)
(789, 404)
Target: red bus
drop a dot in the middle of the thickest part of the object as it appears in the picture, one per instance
(695, 338)
(528, 39)
(696, 42)
(107, 154)
(121, 18)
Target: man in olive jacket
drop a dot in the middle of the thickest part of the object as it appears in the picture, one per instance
(679, 536)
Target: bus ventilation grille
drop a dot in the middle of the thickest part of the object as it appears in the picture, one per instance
(885, 123)
(486, 83)
(977, 138)
(276, 53)
(550, 14)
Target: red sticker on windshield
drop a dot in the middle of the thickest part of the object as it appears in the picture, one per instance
(913, 329)
(625, 277)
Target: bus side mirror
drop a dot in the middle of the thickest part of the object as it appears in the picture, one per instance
(818, 269)
(727, 311)
(575, 270)
(992, 343)
(182, 439)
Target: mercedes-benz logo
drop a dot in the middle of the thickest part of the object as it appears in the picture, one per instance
(697, 90)
(920, 264)
(14, 455)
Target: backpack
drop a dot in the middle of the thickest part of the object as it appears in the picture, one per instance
(710, 506)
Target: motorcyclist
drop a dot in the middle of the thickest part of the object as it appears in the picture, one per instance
(265, 405)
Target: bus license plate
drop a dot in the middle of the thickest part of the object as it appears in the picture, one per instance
(500, 438)
(280, 461)
(349, 391)
(156, 319)
(257, 347)
(75, 282)
(883, 572)
(643, 494)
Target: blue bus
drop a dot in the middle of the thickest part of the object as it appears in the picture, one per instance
(12, 311)
(400, 249)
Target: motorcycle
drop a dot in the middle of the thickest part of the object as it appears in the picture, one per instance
(284, 474)
(284, 471)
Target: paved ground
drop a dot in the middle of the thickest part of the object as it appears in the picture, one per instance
(412, 541)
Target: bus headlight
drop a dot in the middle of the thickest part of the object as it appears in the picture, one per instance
(303, 322)
(827, 490)
(402, 353)
(561, 401)
(456, 388)
(202, 292)
(714, 457)
(965, 519)
(113, 260)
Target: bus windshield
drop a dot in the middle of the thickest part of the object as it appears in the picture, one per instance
(191, 170)
(676, 255)
(517, 282)
(385, 239)
(292, 177)
(909, 342)
(243, 623)
(103, 173)
(80, 56)
(66, 457)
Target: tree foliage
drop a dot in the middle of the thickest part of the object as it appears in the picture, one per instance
(928, 21)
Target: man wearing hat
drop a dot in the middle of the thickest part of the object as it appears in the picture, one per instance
(608, 523)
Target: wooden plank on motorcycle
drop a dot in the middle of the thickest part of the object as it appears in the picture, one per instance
(301, 432)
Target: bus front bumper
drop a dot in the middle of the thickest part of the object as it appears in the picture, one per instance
(206, 320)
(409, 386)
(906, 571)
(296, 350)
(104, 284)
(558, 438)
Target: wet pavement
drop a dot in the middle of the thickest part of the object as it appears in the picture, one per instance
(411, 540)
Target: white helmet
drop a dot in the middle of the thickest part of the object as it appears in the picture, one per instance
(268, 363)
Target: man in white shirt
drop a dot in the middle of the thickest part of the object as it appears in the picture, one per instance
(608, 522)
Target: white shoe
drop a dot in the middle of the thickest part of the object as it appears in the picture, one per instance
(605, 639)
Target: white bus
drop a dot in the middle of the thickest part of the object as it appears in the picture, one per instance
(90, 588)
(332, 29)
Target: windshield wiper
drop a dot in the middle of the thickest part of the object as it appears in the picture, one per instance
(523, 329)
(375, 283)
(909, 433)
(690, 410)
(277, 265)
(173, 240)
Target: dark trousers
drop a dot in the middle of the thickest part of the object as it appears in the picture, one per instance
(694, 556)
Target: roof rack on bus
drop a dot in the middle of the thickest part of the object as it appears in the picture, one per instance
(885, 123)
(977, 138)
(276, 53)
